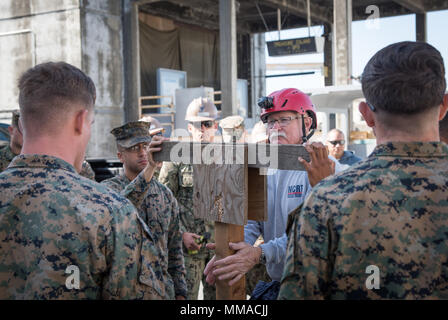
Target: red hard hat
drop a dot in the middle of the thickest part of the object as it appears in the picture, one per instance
(289, 99)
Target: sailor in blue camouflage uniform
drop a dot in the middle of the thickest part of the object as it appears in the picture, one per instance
(64, 236)
(159, 208)
(379, 229)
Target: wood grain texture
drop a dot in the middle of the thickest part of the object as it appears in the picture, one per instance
(225, 233)
(221, 192)
(282, 157)
(257, 195)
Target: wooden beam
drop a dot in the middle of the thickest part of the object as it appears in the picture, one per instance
(275, 156)
(225, 233)
(221, 193)
(257, 195)
(200, 21)
(319, 13)
(416, 6)
(211, 8)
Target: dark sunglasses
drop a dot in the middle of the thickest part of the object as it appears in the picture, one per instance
(336, 142)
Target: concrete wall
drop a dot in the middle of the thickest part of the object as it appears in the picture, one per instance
(102, 60)
(85, 33)
(32, 32)
(258, 72)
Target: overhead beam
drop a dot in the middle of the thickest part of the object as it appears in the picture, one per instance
(197, 17)
(198, 21)
(211, 8)
(298, 8)
(416, 6)
(390, 9)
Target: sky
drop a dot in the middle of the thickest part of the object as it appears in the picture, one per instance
(367, 39)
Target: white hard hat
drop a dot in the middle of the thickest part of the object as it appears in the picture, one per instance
(201, 109)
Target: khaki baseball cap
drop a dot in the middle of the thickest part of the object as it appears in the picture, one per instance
(232, 122)
(259, 133)
(201, 109)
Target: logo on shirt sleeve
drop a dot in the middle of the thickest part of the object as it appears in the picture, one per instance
(295, 191)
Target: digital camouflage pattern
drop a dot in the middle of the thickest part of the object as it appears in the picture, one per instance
(6, 156)
(161, 213)
(87, 171)
(52, 218)
(195, 267)
(178, 177)
(132, 133)
(390, 211)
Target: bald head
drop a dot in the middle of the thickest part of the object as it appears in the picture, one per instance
(335, 142)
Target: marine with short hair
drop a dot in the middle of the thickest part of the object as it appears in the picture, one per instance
(159, 208)
(54, 221)
(389, 212)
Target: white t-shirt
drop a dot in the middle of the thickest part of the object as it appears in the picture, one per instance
(286, 191)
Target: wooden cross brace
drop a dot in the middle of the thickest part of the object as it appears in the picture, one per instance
(230, 188)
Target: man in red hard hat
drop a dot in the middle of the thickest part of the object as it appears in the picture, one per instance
(290, 117)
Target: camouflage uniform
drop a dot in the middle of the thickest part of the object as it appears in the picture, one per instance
(179, 178)
(87, 171)
(52, 218)
(390, 211)
(6, 156)
(161, 213)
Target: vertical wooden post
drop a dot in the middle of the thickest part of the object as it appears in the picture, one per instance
(225, 233)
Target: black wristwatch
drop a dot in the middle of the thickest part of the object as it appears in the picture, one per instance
(263, 256)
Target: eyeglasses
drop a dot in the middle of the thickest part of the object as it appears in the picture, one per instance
(283, 122)
(138, 147)
(207, 124)
(336, 142)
